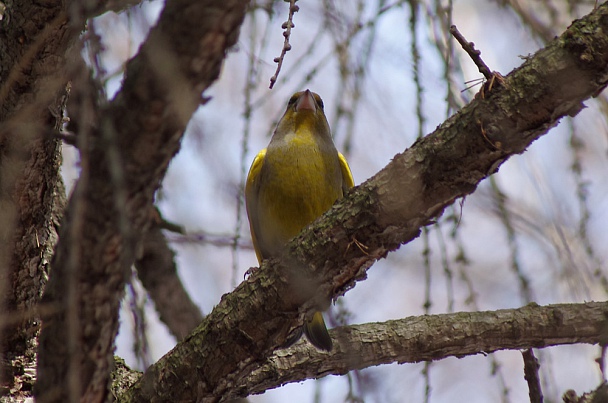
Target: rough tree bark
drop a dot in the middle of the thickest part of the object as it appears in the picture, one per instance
(380, 215)
(432, 337)
(34, 41)
(126, 154)
(131, 145)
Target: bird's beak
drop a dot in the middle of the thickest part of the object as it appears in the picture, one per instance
(306, 102)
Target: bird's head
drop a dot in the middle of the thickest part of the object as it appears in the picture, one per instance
(305, 111)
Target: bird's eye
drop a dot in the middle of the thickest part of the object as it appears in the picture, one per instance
(293, 98)
(319, 101)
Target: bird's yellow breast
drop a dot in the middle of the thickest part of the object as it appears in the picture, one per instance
(300, 179)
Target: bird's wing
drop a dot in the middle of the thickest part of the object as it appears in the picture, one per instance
(347, 177)
(251, 199)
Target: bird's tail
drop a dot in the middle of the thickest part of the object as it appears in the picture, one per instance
(317, 333)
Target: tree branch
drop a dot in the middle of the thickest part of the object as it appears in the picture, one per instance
(428, 338)
(531, 376)
(34, 40)
(158, 274)
(431, 338)
(330, 255)
(136, 136)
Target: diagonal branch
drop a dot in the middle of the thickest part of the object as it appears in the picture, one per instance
(135, 137)
(380, 215)
(157, 272)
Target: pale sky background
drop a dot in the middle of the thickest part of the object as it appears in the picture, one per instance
(199, 192)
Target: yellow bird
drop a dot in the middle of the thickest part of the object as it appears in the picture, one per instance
(292, 182)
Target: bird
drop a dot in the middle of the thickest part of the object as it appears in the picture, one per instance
(292, 182)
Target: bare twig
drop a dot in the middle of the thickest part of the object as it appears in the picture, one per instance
(157, 271)
(136, 305)
(475, 54)
(501, 202)
(531, 367)
(287, 26)
(66, 136)
(206, 238)
(601, 361)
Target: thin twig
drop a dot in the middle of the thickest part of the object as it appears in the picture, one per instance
(501, 201)
(157, 271)
(136, 303)
(287, 26)
(475, 54)
(601, 361)
(531, 367)
(205, 238)
(66, 136)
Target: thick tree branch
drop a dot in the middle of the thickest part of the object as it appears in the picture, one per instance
(433, 337)
(34, 43)
(136, 136)
(430, 338)
(380, 215)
